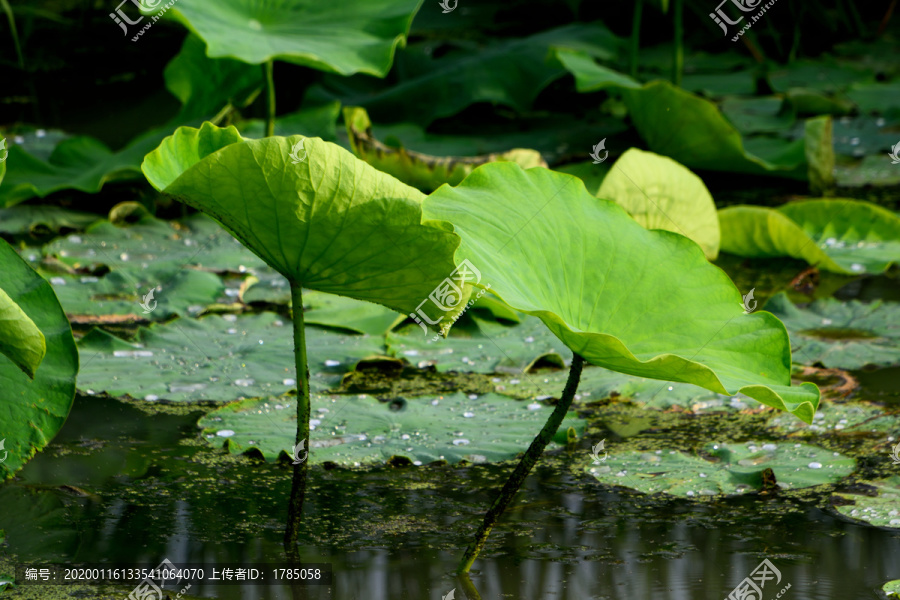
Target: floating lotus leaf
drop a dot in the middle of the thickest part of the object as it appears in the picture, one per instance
(354, 431)
(488, 347)
(727, 469)
(850, 418)
(846, 335)
(839, 235)
(152, 247)
(881, 508)
(641, 302)
(216, 359)
(41, 220)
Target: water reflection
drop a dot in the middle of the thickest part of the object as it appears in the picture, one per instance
(138, 490)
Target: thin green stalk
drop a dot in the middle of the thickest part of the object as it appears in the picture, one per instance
(298, 484)
(635, 37)
(15, 32)
(269, 70)
(525, 465)
(678, 63)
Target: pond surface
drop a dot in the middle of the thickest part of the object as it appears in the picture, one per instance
(120, 485)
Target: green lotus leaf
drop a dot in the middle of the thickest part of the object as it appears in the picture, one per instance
(881, 509)
(684, 126)
(693, 131)
(328, 221)
(94, 299)
(204, 85)
(846, 335)
(757, 115)
(511, 72)
(20, 339)
(880, 98)
(422, 171)
(892, 589)
(314, 121)
(826, 75)
(820, 154)
(86, 164)
(486, 347)
(840, 418)
(661, 194)
(346, 313)
(34, 409)
(353, 431)
(838, 235)
(729, 469)
(41, 220)
(641, 302)
(80, 163)
(152, 248)
(590, 76)
(340, 38)
(216, 359)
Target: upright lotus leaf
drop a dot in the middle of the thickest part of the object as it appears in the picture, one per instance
(684, 126)
(838, 235)
(20, 339)
(641, 302)
(339, 37)
(329, 222)
(33, 410)
(204, 85)
(422, 171)
(661, 194)
(693, 131)
(820, 155)
(590, 76)
(511, 72)
(201, 84)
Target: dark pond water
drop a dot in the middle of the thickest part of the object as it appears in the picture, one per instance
(119, 485)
